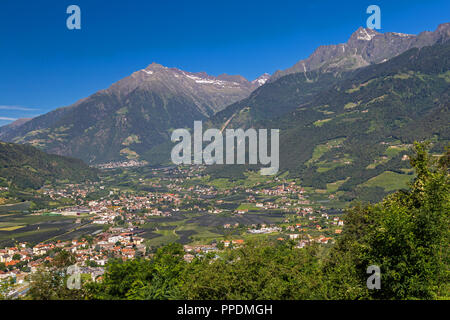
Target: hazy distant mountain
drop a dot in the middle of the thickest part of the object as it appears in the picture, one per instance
(365, 47)
(133, 115)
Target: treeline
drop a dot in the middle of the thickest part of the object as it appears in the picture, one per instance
(406, 236)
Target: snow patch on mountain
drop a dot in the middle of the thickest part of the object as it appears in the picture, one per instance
(402, 34)
(364, 35)
(261, 79)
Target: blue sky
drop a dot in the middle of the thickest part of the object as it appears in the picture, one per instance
(43, 65)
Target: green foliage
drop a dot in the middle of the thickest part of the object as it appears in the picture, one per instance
(138, 279)
(5, 287)
(51, 283)
(406, 235)
(256, 271)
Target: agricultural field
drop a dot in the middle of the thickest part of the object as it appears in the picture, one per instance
(202, 228)
(18, 225)
(389, 181)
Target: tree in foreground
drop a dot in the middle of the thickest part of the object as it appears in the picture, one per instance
(406, 235)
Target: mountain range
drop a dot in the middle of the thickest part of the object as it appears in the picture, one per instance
(132, 115)
(265, 102)
(352, 130)
(365, 47)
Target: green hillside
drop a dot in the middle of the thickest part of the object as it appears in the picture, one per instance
(354, 126)
(27, 167)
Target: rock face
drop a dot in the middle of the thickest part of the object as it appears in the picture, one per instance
(261, 79)
(133, 115)
(138, 113)
(365, 47)
(209, 93)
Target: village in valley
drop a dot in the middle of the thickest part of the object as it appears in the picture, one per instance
(131, 212)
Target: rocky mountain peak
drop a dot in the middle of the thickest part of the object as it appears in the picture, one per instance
(234, 78)
(443, 31)
(157, 72)
(262, 79)
(364, 47)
